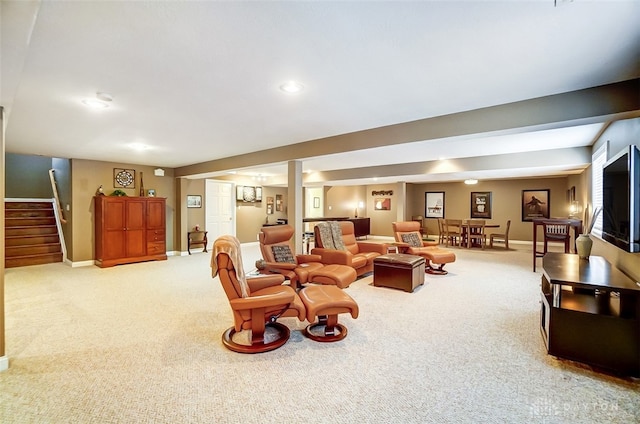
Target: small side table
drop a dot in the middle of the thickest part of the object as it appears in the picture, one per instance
(194, 238)
(395, 247)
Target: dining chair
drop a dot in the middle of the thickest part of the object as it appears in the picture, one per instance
(441, 231)
(501, 237)
(420, 219)
(475, 232)
(453, 232)
(558, 232)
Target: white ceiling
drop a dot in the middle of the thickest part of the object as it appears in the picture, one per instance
(198, 81)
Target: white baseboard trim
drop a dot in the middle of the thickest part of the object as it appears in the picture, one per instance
(4, 363)
(80, 263)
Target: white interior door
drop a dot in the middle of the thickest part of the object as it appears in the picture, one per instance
(219, 210)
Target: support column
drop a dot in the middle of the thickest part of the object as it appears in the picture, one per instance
(4, 360)
(180, 236)
(294, 202)
(401, 206)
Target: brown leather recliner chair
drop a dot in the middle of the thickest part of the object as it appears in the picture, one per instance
(409, 241)
(276, 247)
(357, 254)
(277, 251)
(256, 302)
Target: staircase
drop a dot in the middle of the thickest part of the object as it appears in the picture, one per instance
(31, 234)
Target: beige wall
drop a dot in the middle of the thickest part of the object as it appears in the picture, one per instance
(341, 201)
(88, 176)
(506, 201)
(251, 216)
(195, 216)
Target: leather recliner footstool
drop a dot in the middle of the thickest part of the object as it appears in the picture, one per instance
(338, 275)
(324, 303)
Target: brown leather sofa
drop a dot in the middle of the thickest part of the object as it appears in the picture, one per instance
(409, 241)
(276, 247)
(357, 254)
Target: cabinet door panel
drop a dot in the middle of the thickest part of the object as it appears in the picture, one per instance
(155, 214)
(135, 214)
(113, 244)
(136, 242)
(114, 215)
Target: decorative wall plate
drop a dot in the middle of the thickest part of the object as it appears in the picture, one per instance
(125, 178)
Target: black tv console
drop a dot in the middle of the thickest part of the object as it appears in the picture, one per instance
(597, 320)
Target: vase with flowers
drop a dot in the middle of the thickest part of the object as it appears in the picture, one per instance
(583, 241)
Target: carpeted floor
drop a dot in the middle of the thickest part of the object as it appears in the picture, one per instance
(141, 343)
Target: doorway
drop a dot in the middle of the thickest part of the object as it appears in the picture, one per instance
(219, 210)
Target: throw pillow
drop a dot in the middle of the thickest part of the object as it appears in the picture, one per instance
(283, 254)
(412, 239)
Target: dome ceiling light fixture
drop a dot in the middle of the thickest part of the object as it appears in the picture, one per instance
(470, 181)
(101, 101)
(292, 87)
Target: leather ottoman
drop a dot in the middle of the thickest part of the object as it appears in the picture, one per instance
(333, 274)
(398, 271)
(324, 303)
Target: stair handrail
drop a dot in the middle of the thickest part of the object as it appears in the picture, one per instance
(54, 186)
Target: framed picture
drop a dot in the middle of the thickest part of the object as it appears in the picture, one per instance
(248, 194)
(316, 202)
(124, 178)
(279, 203)
(382, 204)
(194, 201)
(269, 205)
(481, 204)
(535, 204)
(434, 204)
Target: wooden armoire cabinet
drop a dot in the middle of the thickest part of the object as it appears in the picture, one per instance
(129, 229)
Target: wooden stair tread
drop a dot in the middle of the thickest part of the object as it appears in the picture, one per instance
(31, 234)
(27, 260)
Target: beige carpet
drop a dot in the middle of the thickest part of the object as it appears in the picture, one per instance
(141, 344)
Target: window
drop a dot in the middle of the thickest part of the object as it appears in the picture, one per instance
(598, 159)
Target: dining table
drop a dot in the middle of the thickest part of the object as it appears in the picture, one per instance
(465, 226)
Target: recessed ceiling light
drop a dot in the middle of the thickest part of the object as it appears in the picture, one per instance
(101, 101)
(95, 104)
(471, 181)
(292, 87)
(139, 146)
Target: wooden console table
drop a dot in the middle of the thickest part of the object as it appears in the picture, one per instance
(361, 226)
(196, 238)
(598, 321)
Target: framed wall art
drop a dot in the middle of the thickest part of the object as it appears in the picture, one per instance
(382, 204)
(124, 178)
(535, 204)
(434, 204)
(248, 193)
(269, 205)
(481, 204)
(194, 201)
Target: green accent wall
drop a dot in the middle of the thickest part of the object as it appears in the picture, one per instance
(27, 176)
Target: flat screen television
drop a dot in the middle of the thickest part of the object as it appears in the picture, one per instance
(621, 200)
